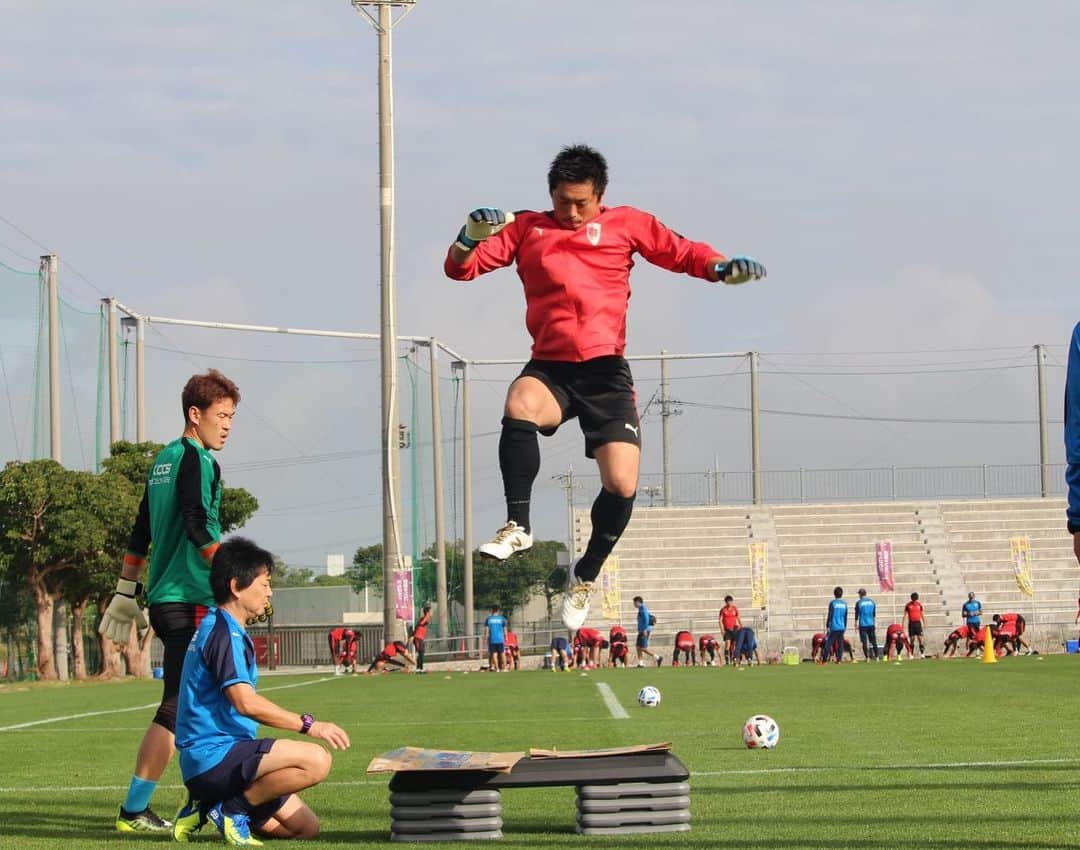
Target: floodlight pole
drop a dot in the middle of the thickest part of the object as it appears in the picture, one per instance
(1044, 452)
(383, 23)
(48, 272)
(114, 372)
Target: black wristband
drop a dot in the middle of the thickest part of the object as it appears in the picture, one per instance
(306, 721)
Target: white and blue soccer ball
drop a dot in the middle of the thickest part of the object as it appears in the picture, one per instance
(761, 732)
(649, 697)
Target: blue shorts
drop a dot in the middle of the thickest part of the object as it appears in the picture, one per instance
(496, 648)
(642, 641)
(233, 775)
(560, 644)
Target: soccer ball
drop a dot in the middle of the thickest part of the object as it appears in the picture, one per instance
(648, 697)
(760, 732)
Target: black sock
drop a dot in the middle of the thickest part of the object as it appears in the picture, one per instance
(610, 514)
(237, 805)
(519, 462)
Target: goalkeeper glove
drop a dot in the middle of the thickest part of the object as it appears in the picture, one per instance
(740, 270)
(123, 610)
(480, 224)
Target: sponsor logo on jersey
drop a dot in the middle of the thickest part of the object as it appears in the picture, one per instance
(592, 232)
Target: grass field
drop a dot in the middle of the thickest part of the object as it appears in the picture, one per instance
(927, 754)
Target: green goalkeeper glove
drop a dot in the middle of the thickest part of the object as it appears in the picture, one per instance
(480, 224)
(123, 610)
(740, 270)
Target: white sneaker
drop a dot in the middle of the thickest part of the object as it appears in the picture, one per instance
(575, 606)
(509, 539)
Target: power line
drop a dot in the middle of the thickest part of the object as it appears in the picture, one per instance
(909, 420)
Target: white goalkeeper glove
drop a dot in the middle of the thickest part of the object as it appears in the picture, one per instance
(740, 270)
(123, 610)
(480, 224)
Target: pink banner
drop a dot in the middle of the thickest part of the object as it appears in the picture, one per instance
(883, 559)
(403, 598)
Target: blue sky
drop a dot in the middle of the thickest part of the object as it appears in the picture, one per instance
(902, 169)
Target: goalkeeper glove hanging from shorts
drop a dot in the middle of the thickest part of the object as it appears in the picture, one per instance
(740, 270)
(480, 224)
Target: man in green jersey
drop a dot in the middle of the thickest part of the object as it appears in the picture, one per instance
(179, 514)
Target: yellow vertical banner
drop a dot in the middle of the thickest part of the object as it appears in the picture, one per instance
(759, 575)
(609, 589)
(1020, 549)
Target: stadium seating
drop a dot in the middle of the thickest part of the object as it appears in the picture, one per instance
(683, 561)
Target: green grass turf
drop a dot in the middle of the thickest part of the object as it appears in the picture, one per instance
(871, 756)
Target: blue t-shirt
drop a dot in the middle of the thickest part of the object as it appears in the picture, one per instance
(837, 617)
(221, 654)
(972, 612)
(1072, 430)
(865, 610)
(643, 618)
(496, 626)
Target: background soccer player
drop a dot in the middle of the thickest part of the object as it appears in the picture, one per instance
(914, 617)
(835, 625)
(745, 647)
(237, 781)
(896, 638)
(619, 650)
(561, 659)
(395, 652)
(866, 618)
(644, 630)
(729, 625)
(952, 642)
(684, 643)
(709, 646)
(343, 649)
(419, 636)
(495, 637)
(574, 261)
(972, 611)
(179, 515)
(512, 652)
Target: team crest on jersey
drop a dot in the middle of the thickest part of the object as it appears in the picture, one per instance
(592, 231)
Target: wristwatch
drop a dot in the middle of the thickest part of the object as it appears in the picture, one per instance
(306, 721)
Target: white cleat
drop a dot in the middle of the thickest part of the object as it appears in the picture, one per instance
(509, 539)
(575, 606)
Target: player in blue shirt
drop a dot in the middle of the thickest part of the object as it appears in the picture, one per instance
(835, 624)
(238, 781)
(1072, 438)
(495, 636)
(972, 612)
(645, 623)
(865, 616)
(561, 658)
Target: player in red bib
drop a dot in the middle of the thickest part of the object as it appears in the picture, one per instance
(587, 643)
(619, 651)
(390, 655)
(419, 636)
(964, 633)
(708, 645)
(916, 619)
(730, 623)
(511, 652)
(684, 643)
(896, 638)
(343, 650)
(817, 647)
(574, 261)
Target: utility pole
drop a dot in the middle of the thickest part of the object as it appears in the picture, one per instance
(48, 272)
(755, 428)
(1044, 452)
(668, 408)
(566, 481)
(383, 23)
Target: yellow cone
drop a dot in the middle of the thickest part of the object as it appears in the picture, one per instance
(989, 656)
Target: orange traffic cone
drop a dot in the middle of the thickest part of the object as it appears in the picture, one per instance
(989, 656)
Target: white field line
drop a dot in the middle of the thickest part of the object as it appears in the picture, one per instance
(611, 701)
(15, 726)
(959, 765)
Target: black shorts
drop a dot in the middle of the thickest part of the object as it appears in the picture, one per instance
(233, 775)
(915, 628)
(496, 648)
(174, 623)
(599, 392)
(729, 634)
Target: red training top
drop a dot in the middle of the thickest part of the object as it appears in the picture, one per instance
(617, 634)
(705, 641)
(510, 640)
(589, 637)
(914, 611)
(818, 640)
(684, 638)
(577, 282)
(421, 626)
(729, 617)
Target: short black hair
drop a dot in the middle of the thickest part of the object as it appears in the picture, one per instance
(838, 592)
(494, 608)
(914, 596)
(579, 164)
(237, 558)
(639, 599)
(729, 599)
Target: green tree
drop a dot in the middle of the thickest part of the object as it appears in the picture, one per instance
(509, 583)
(367, 569)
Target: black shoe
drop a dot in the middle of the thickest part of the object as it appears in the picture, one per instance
(144, 821)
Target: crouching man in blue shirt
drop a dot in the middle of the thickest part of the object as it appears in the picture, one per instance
(239, 782)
